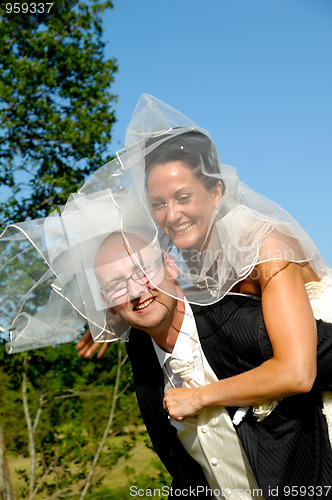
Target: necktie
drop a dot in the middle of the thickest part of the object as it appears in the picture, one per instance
(185, 369)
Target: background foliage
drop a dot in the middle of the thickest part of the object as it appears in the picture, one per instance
(67, 424)
(56, 111)
(76, 396)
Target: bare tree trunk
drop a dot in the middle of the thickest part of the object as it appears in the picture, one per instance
(46, 473)
(31, 427)
(32, 449)
(6, 488)
(109, 423)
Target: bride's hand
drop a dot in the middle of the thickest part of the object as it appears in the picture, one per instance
(182, 403)
(87, 347)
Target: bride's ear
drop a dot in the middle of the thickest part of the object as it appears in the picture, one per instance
(218, 193)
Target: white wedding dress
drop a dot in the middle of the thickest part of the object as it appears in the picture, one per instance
(320, 296)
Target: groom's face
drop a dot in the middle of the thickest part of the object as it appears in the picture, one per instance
(129, 292)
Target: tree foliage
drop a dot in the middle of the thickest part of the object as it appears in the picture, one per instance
(56, 110)
(75, 397)
(56, 118)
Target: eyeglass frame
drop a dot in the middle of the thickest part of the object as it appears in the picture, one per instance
(126, 280)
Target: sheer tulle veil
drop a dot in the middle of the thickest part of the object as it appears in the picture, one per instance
(49, 289)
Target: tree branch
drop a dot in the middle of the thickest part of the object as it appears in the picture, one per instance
(32, 450)
(41, 402)
(46, 473)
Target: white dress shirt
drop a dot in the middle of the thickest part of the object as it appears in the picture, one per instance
(209, 437)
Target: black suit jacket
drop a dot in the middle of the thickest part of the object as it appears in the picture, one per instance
(288, 449)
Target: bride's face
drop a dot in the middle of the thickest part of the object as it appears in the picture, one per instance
(181, 204)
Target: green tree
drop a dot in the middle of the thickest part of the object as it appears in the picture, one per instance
(74, 407)
(56, 112)
(56, 117)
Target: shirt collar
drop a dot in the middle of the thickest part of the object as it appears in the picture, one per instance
(182, 348)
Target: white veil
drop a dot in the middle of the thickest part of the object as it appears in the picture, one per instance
(245, 229)
(49, 291)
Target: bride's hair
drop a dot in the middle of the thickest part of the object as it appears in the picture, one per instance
(191, 147)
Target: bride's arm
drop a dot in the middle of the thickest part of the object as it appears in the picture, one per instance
(292, 331)
(87, 346)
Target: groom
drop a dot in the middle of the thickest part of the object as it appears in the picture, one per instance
(289, 449)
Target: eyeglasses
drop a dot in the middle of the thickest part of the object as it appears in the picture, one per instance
(142, 276)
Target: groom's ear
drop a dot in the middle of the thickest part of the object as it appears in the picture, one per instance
(171, 266)
(111, 309)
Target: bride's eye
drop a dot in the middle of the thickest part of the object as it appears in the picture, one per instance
(184, 198)
(156, 205)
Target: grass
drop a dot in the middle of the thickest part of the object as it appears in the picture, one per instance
(110, 479)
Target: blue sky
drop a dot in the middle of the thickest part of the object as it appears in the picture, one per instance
(257, 74)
